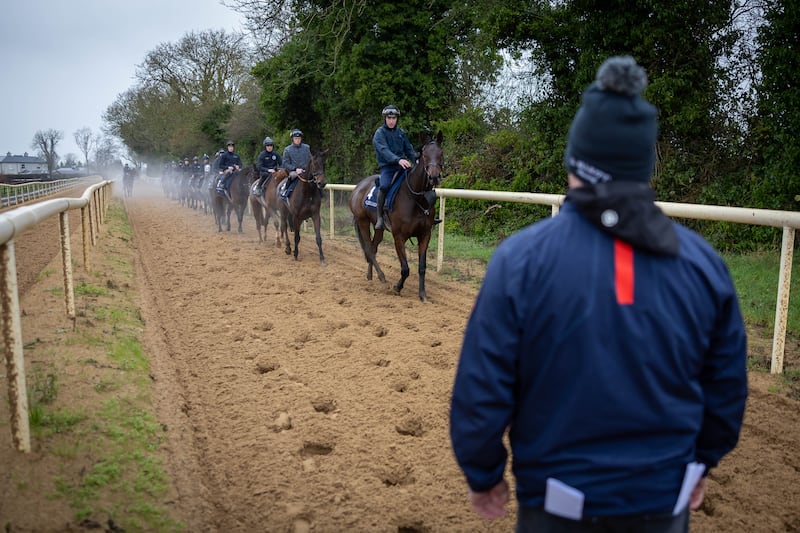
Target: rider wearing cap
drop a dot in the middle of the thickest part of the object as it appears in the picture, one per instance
(229, 162)
(268, 162)
(296, 157)
(394, 153)
(197, 168)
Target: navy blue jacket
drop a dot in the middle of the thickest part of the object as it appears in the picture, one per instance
(392, 145)
(229, 159)
(610, 379)
(269, 161)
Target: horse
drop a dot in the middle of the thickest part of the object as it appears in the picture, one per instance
(303, 203)
(267, 205)
(127, 182)
(412, 213)
(239, 192)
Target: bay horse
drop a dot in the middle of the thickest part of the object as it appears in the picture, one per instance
(267, 205)
(304, 203)
(412, 213)
(240, 191)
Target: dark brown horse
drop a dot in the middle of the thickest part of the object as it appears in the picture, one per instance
(267, 205)
(304, 203)
(240, 192)
(412, 215)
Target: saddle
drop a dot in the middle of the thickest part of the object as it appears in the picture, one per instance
(371, 198)
(285, 191)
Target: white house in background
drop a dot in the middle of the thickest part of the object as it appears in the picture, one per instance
(22, 165)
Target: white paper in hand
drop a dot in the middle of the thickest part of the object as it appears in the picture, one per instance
(690, 479)
(562, 500)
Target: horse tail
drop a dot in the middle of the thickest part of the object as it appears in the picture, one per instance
(360, 239)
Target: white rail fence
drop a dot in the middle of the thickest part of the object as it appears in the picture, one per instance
(789, 221)
(93, 204)
(18, 194)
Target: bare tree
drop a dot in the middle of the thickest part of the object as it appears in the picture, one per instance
(45, 141)
(85, 140)
(202, 68)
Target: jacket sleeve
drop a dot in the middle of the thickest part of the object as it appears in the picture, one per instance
(408, 149)
(723, 378)
(385, 155)
(483, 392)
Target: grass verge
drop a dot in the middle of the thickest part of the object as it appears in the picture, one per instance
(90, 406)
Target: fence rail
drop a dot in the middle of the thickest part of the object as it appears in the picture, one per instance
(789, 221)
(93, 204)
(21, 193)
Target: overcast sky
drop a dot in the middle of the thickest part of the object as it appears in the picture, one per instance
(65, 61)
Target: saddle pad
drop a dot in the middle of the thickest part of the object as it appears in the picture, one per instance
(286, 191)
(371, 199)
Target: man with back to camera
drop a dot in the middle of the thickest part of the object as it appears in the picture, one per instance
(608, 341)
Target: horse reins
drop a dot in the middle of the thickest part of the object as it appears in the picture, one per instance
(428, 182)
(427, 175)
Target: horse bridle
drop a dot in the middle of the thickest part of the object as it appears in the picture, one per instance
(429, 181)
(313, 178)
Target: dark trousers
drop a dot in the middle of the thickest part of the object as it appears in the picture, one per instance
(538, 521)
(387, 173)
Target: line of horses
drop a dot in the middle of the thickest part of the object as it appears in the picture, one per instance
(412, 213)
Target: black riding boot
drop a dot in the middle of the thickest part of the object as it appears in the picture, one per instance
(381, 199)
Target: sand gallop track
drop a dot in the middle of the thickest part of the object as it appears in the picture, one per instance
(305, 398)
(308, 396)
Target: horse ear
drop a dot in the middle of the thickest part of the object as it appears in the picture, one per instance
(439, 138)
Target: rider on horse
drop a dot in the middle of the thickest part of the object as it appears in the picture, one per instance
(228, 163)
(268, 162)
(296, 158)
(394, 153)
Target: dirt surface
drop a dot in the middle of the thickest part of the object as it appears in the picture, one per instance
(300, 398)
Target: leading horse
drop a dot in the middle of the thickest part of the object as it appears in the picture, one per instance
(412, 213)
(304, 202)
(239, 193)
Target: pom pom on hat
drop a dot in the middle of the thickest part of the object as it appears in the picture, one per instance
(613, 134)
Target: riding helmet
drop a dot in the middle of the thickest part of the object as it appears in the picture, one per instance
(391, 111)
(268, 141)
(296, 133)
(229, 143)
